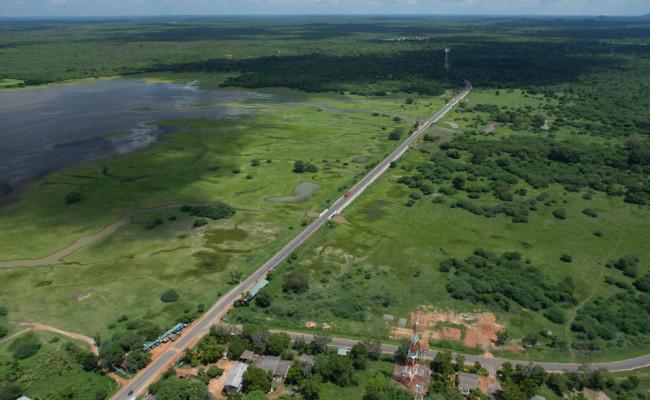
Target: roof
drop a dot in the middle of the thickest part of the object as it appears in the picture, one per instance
(24, 398)
(342, 351)
(236, 375)
(176, 327)
(258, 286)
(275, 365)
(467, 382)
(247, 355)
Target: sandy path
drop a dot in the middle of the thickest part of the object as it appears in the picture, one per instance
(38, 326)
(109, 230)
(452, 124)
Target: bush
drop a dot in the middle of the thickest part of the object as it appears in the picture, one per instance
(590, 212)
(566, 258)
(214, 372)
(26, 349)
(555, 314)
(560, 213)
(200, 222)
(3, 311)
(213, 212)
(186, 208)
(169, 296)
(72, 197)
(3, 331)
(295, 282)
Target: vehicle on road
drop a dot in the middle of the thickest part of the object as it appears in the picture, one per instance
(346, 194)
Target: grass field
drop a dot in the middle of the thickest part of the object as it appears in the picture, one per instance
(206, 161)
(387, 248)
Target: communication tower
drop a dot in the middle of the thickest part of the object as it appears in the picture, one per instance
(413, 373)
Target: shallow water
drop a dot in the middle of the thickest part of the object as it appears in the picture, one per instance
(302, 192)
(47, 129)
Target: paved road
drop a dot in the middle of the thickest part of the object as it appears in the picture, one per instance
(140, 383)
(494, 363)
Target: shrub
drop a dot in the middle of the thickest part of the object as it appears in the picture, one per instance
(213, 212)
(186, 208)
(72, 197)
(26, 349)
(200, 222)
(3, 311)
(255, 162)
(439, 200)
(169, 296)
(348, 308)
(590, 212)
(560, 213)
(236, 170)
(598, 233)
(555, 314)
(566, 258)
(295, 282)
(214, 371)
(3, 331)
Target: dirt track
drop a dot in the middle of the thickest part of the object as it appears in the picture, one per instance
(40, 327)
(109, 230)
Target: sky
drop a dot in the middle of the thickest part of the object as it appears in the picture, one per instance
(58, 8)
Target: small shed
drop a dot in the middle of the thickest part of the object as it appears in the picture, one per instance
(342, 352)
(401, 322)
(247, 355)
(258, 286)
(24, 398)
(467, 382)
(235, 378)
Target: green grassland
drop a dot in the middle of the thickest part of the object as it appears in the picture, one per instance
(388, 250)
(195, 164)
(52, 370)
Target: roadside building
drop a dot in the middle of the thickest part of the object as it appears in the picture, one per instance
(258, 286)
(342, 352)
(467, 382)
(247, 355)
(275, 365)
(235, 378)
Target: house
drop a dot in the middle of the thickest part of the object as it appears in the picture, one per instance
(275, 365)
(247, 355)
(467, 382)
(258, 286)
(342, 352)
(235, 378)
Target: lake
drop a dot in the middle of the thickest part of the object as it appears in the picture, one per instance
(47, 129)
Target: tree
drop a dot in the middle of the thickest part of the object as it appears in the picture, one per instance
(336, 368)
(256, 379)
(110, 354)
(479, 156)
(259, 338)
(299, 166)
(359, 355)
(310, 387)
(503, 336)
(294, 374)
(214, 372)
(394, 135)
(237, 347)
(373, 347)
(276, 343)
(87, 359)
(10, 392)
(263, 299)
(221, 333)
(3, 331)
(256, 395)
(137, 359)
(255, 162)
(295, 282)
(460, 362)
(402, 351)
(321, 341)
(169, 296)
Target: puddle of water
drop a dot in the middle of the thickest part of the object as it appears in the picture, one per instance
(361, 159)
(302, 192)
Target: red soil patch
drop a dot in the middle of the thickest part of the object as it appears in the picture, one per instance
(480, 328)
